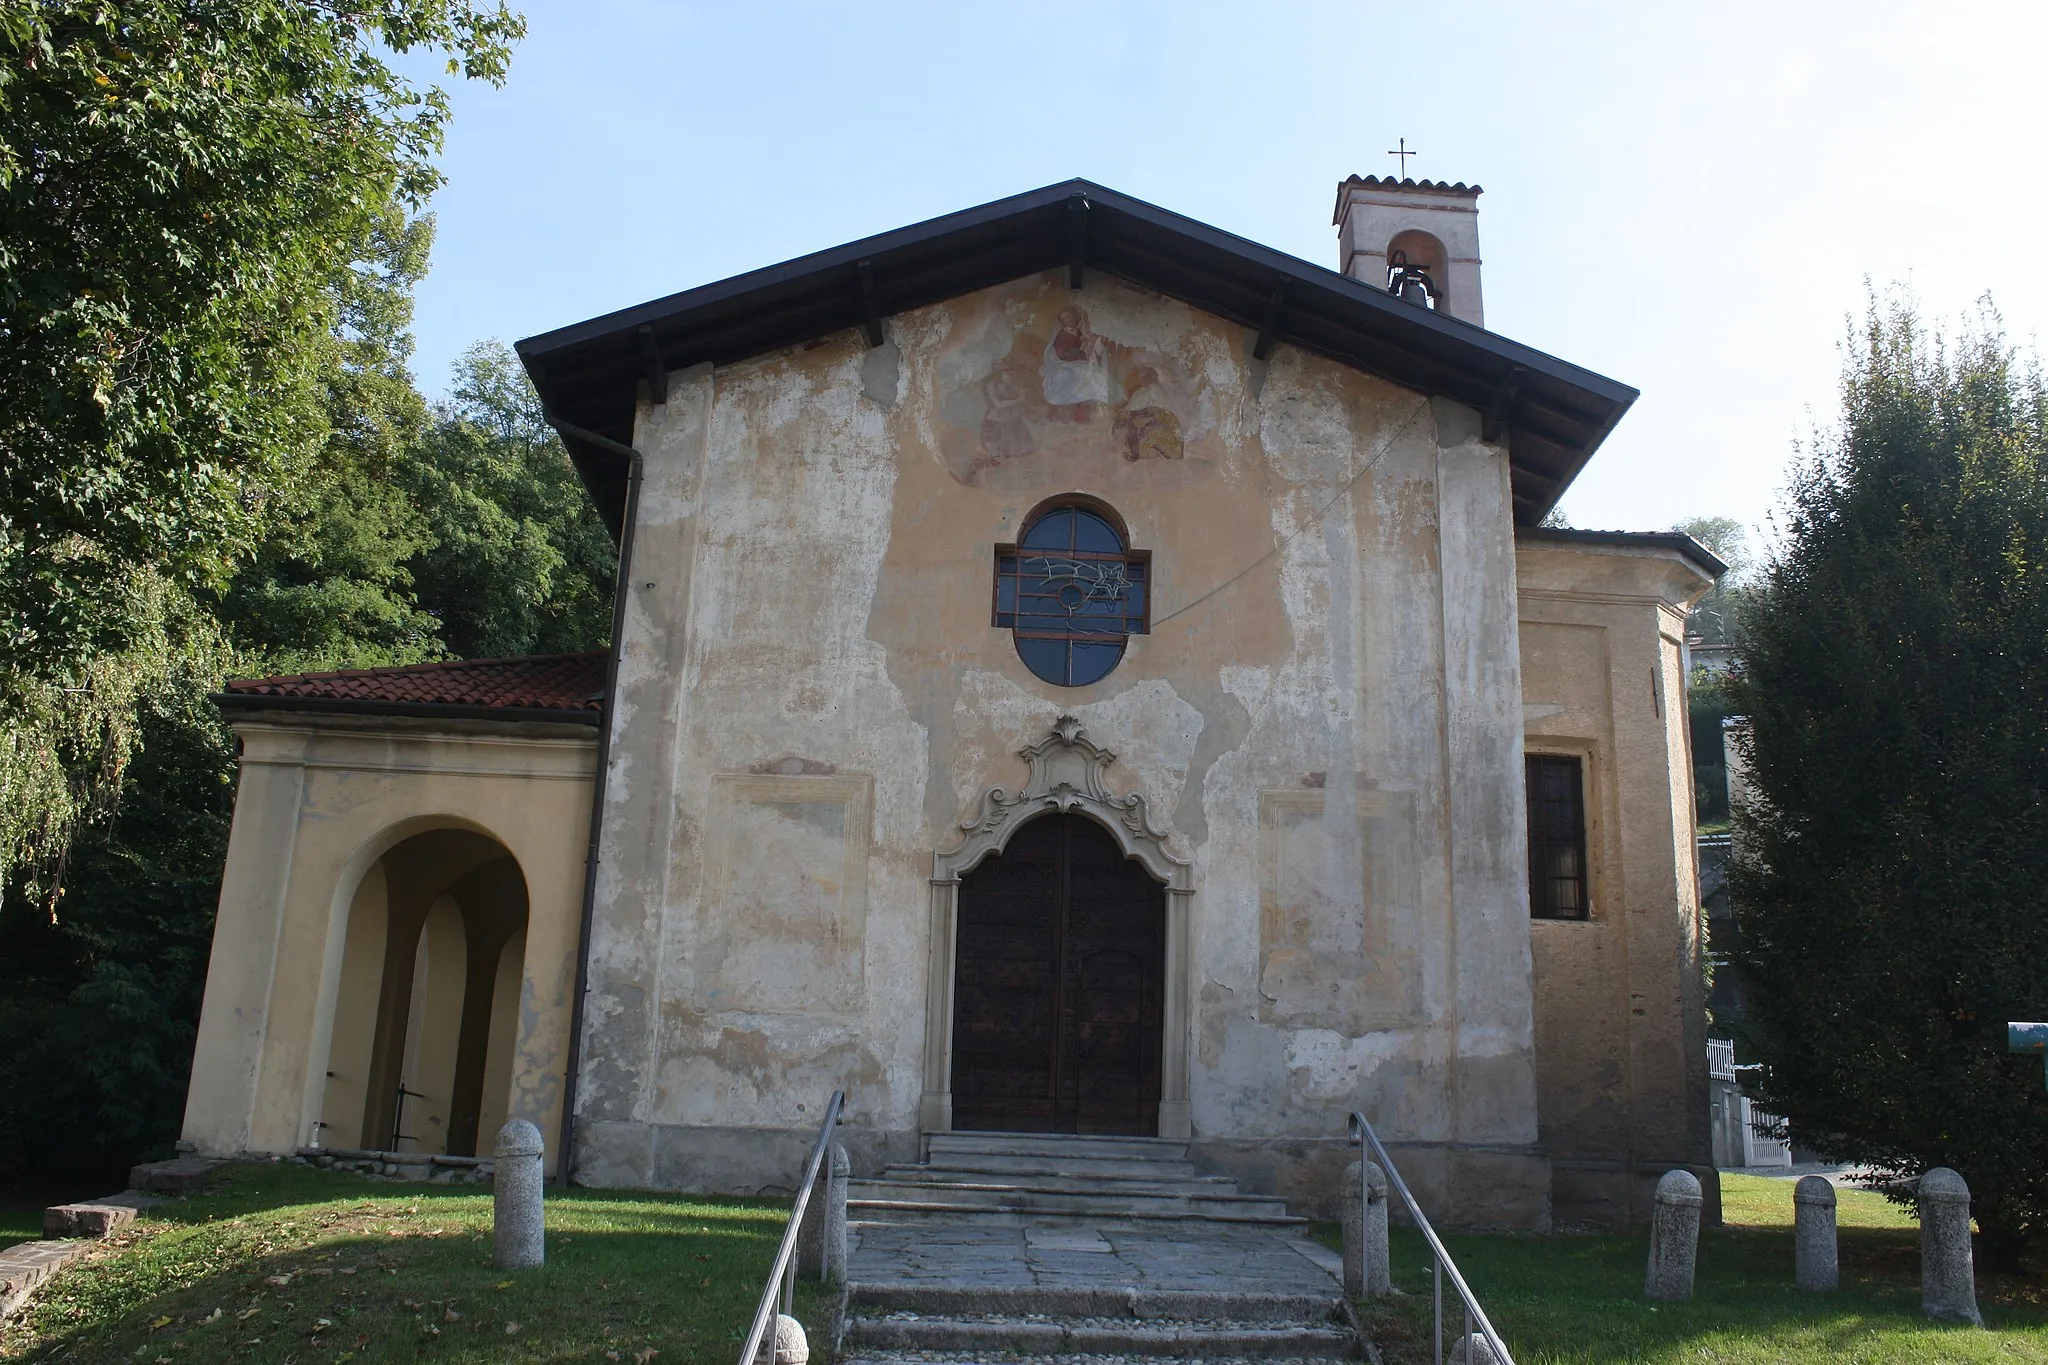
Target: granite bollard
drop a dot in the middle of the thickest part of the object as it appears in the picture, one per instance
(1474, 1348)
(1674, 1238)
(1948, 1280)
(784, 1343)
(822, 1241)
(838, 1169)
(1367, 1274)
(518, 1229)
(1815, 1264)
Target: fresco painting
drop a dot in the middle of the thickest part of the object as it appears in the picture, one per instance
(1048, 379)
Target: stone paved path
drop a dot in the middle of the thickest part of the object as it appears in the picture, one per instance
(1166, 1256)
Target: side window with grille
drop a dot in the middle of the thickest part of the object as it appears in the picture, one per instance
(1557, 837)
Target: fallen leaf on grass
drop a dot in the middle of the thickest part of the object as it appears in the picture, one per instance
(450, 1315)
(511, 1329)
(702, 1256)
(642, 1357)
(502, 1284)
(279, 1280)
(611, 1355)
(248, 1313)
(212, 1317)
(160, 1324)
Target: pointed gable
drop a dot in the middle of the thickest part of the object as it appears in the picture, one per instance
(1553, 414)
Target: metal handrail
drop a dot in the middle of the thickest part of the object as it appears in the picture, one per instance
(783, 1273)
(1441, 1265)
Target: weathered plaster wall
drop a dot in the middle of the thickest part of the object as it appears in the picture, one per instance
(320, 800)
(1620, 1019)
(812, 697)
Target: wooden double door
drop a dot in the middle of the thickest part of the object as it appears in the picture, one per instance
(1060, 972)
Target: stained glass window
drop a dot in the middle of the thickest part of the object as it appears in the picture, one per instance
(1072, 593)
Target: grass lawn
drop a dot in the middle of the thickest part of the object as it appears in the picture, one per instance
(1578, 1298)
(288, 1264)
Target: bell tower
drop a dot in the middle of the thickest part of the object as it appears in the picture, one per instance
(1418, 239)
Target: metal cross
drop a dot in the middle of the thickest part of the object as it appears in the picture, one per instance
(1404, 154)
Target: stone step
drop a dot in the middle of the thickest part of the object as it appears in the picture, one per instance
(995, 1335)
(1006, 1358)
(1158, 1168)
(1098, 1301)
(1046, 1178)
(876, 1357)
(1070, 1198)
(1062, 1145)
(1030, 1206)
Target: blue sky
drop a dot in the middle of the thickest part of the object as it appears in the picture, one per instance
(1689, 198)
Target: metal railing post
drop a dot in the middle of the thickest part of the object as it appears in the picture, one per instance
(1436, 1295)
(1441, 1266)
(782, 1275)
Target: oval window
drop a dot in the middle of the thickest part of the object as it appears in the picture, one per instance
(1072, 593)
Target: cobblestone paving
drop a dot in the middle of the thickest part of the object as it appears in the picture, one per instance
(1209, 1258)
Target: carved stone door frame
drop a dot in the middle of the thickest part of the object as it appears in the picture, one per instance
(1067, 776)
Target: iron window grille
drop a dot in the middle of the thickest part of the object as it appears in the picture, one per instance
(1072, 594)
(1557, 837)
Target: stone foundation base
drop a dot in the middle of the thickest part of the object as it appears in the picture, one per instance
(420, 1167)
(1459, 1186)
(1618, 1193)
(717, 1160)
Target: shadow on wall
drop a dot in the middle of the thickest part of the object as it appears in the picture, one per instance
(428, 1008)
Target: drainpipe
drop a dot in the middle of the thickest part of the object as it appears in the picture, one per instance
(566, 1141)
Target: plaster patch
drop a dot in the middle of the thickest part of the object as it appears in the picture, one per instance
(1325, 1065)
(786, 906)
(881, 373)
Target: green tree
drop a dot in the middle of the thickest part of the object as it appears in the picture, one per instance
(1712, 622)
(516, 559)
(1895, 656)
(99, 1001)
(182, 183)
(329, 585)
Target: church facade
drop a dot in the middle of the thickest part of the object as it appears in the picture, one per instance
(1075, 671)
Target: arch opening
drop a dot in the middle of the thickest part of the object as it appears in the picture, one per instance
(426, 1013)
(1418, 267)
(1059, 985)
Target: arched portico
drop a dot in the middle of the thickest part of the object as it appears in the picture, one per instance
(427, 1000)
(355, 838)
(1067, 776)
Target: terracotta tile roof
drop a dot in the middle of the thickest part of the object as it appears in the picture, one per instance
(1388, 182)
(565, 683)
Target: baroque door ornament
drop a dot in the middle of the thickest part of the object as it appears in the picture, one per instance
(1067, 775)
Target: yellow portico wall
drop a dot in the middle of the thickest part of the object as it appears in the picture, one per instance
(322, 800)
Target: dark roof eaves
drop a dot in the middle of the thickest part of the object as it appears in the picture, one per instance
(1299, 271)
